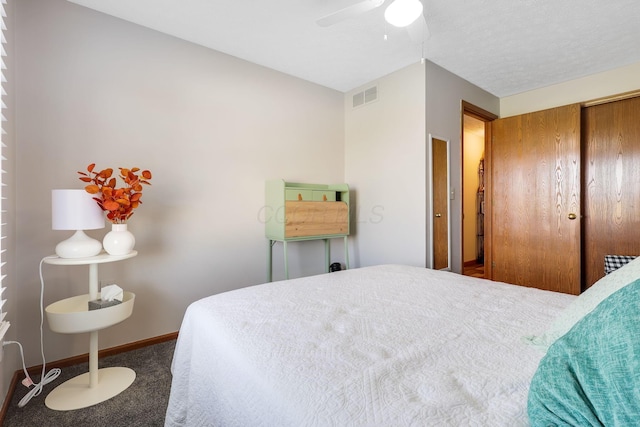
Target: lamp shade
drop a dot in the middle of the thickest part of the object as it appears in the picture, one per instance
(75, 210)
(402, 13)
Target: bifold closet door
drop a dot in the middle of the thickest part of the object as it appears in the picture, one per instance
(535, 175)
(611, 167)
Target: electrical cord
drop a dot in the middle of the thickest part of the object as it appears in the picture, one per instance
(44, 378)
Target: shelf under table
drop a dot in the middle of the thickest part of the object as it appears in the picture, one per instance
(72, 315)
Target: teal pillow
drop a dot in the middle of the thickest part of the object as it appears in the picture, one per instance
(591, 375)
(586, 302)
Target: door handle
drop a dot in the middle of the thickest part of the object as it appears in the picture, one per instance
(572, 216)
(438, 215)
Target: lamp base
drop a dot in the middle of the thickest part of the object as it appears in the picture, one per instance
(78, 246)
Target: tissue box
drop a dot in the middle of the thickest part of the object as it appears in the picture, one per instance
(99, 303)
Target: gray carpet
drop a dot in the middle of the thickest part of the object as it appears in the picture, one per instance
(142, 404)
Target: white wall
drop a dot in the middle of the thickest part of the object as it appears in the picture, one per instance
(445, 91)
(385, 160)
(601, 85)
(211, 128)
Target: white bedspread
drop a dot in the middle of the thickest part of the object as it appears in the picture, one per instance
(377, 346)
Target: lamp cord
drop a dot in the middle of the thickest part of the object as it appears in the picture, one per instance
(44, 378)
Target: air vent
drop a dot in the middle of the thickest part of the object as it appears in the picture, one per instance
(358, 99)
(365, 97)
(371, 94)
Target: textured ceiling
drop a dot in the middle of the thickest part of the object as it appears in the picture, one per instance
(503, 46)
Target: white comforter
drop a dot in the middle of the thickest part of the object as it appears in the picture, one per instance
(377, 346)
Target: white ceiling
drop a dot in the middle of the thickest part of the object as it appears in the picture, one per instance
(503, 46)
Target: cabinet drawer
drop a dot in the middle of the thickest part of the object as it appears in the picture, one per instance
(324, 196)
(305, 219)
(298, 194)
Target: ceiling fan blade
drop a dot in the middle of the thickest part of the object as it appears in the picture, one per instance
(349, 12)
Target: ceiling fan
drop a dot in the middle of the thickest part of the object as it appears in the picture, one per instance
(400, 13)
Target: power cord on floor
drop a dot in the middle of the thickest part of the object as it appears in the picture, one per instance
(44, 378)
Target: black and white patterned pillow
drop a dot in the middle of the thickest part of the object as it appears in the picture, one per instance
(614, 262)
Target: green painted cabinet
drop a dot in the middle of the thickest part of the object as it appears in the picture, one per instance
(296, 211)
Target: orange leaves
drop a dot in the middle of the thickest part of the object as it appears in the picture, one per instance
(119, 203)
(110, 205)
(92, 189)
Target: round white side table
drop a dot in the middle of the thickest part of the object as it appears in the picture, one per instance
(72, 316)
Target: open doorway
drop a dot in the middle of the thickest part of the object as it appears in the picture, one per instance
(475, 245)
(473, 197)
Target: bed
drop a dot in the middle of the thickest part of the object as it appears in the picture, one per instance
(386, 345)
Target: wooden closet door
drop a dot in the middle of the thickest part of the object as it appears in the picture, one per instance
(611, 139)
(440, 166)
(535, 175)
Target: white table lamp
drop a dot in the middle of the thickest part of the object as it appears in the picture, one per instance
(76, 210)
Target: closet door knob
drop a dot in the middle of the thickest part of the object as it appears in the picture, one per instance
(572, 216)
(438, 215)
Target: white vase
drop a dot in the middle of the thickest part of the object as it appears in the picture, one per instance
(119, 241)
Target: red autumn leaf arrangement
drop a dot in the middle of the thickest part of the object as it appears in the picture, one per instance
(119, 203)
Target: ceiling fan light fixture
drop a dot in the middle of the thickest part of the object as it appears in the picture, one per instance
(402, 13)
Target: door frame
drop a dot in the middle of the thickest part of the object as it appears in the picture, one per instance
(468, 109)
(430, 211)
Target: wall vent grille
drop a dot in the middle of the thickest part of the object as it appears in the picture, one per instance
(371, 94)
(365, 97)
(358, 99)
